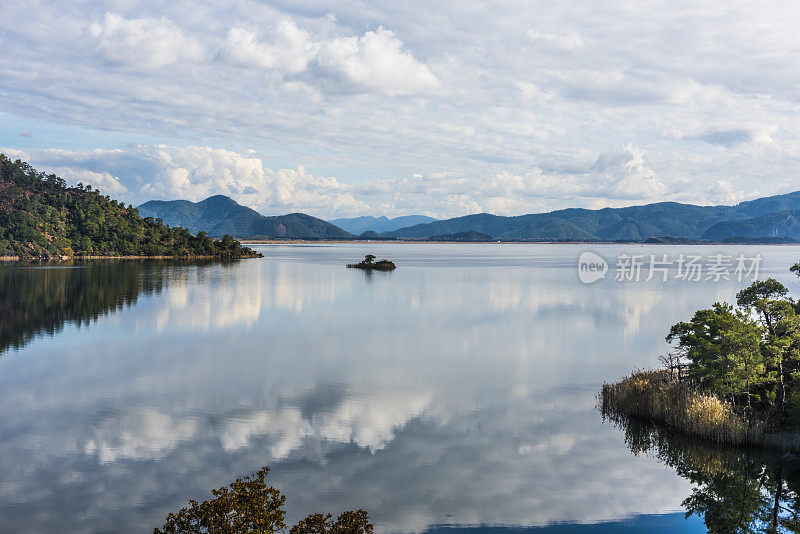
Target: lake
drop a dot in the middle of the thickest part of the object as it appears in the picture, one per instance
(457, 392)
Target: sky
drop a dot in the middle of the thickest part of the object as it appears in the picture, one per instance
(340, 109)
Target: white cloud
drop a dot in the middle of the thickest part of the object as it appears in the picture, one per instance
(569, 40)
(108, 184)
(625, 174)
(373, 61)
(377, 60)
(147, 172)
(728, 193)
(471, 100)
(15, 154)
(143, 42)
(290, 52)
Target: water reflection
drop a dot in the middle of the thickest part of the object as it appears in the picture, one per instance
(41, 300)
(735, 490)
(456, 390)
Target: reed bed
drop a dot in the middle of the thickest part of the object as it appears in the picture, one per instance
(654, 396)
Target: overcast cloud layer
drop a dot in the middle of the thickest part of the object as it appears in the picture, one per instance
(384, 108)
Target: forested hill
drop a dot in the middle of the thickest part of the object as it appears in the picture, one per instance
(218, 215)
(769, 217)
(40, 217)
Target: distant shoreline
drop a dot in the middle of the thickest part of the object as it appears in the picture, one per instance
(72, 258)
(499, 242)
(375, 242)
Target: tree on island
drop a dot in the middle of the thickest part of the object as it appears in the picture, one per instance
(369, 264)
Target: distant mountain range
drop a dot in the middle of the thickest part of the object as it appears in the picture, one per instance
(358, 225)
(784, 223)
(220, 215)
(774, 217)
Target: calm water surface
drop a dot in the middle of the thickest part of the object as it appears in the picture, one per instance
(455, 392)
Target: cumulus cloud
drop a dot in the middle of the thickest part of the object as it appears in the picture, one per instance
(291, 50)
(726, 192)
(107, 183)
(147, 172)
(143, 42)
(625, 174)
(15, 154)
(373, 61)
(376, 60)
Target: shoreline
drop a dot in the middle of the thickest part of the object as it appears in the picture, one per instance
(425, 242)
(656, 397)
(74, 258)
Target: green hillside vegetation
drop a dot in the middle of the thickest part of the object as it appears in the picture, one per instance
(41, 217)
(219, 215)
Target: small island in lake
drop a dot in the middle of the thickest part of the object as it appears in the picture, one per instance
(732, 377)
(369, 264)
(42, 218)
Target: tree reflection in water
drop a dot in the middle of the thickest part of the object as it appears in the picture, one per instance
(736, 490)
(40, 299)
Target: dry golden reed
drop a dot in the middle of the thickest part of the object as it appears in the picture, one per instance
(653, 396)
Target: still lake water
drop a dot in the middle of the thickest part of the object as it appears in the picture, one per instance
(455, 392)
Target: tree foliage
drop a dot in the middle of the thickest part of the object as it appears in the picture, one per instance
(350, 522)
(40, 217)
(249, 506)
(748, 354)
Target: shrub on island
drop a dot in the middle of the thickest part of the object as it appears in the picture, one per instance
(369, 264)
